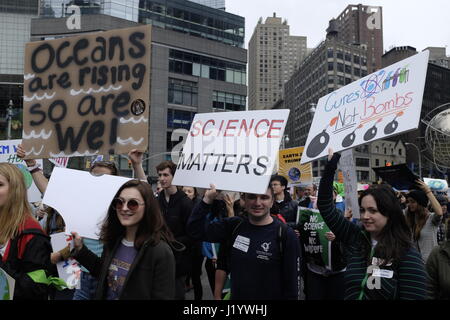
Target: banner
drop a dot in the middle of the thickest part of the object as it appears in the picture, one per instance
(81, 198)
(236, 151)
(347, 166)
(312, 235)
(7, 284)
(438, 186)
(68, 270)
(87, 95)
(291, 169)
(8, 150)
(382, 104)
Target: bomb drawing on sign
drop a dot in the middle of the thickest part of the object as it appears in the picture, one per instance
(393, 125)
(350, 138)
(372, 132)
(320, 142)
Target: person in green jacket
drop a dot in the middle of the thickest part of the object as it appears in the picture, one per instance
(382, 263)
(438, 268)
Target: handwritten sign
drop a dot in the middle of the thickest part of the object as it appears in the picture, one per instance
(312, 234)
(347, 166)
(88, 94)
(438, 186)
(83, 206)
(290, 167)
(7, 285)
(61, 162)
(8, 150)
(236, 151)
(68, 270)
(384, 103)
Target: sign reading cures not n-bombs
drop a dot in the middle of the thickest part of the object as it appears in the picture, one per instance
(87, 95)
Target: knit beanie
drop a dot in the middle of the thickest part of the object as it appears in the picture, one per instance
(420, 197)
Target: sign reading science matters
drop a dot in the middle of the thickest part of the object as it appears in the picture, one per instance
(236, 151)
(384, 103)
(88, 94)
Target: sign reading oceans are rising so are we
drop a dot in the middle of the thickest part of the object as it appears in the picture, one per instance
(87, 95)
(384, 103)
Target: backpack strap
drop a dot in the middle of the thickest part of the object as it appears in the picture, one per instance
(282, 237)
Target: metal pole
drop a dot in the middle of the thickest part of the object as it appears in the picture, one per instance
(420, 157)
(9, 116)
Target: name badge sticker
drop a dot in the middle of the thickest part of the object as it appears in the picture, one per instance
(241, 243)
(382, 273)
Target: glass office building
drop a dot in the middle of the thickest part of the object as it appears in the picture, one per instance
(216, 4)
(178, 15)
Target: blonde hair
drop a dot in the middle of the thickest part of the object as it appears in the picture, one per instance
(16, 209)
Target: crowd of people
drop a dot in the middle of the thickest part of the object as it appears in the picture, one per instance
(155, 240)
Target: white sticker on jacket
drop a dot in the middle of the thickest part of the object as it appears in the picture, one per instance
(382, 273)
(241, 243)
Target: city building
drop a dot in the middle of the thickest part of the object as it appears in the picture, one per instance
(15, 21)
(436, 93)
(189, 74)
(216, 4)
(363, 25)
(274, 55)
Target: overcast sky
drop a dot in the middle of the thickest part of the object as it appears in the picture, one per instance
(417, 23)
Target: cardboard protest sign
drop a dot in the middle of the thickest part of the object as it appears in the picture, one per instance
(382, 104)
(290, 167)
(236, 151)
(312, 234)
(61, 162)
(347, 166)
(7, 284)
(83, 205)
(8, 150)
(398, 176)
(68, 270)
(88, 94)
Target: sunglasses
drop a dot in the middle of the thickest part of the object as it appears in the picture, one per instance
(131, 204)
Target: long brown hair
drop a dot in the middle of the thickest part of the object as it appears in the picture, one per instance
(416, 220)
(152, 226)
(16, 208)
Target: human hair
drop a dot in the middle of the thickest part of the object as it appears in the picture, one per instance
(105, 164)
(268, 188)
(151, 227)
(16, 208)
(416, 220)
(395, 238)
(167, 164)
(282, 180)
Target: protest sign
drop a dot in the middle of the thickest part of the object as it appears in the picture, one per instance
(312, 234)
(236, 151)
(61, 162)
(290, 167)
(7, 284)
(398, 176)
(68, 270)
(384, 103)
(438, 186)
(347, 166)
(81, 198)
(88, 94)
(8, 150)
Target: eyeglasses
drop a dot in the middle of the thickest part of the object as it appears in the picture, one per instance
(132, 204)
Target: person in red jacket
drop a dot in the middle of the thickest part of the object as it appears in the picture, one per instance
(24, 247)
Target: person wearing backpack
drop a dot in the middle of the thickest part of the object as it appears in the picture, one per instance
(24, 247)
(264, 254)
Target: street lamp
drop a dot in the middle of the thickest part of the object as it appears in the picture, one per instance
(420, 157)
(9, 116)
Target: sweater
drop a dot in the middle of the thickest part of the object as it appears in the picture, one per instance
(404, 279)
(438, 268)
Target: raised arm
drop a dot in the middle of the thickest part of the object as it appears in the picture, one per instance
(38, 176)
(344, 230)
(135, 157)
(433, 201)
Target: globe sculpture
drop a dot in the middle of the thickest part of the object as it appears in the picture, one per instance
(437, 135)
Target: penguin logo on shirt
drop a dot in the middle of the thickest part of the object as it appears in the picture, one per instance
(266, 246)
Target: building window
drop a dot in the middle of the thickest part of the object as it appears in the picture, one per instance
(183, 92)
(362, 175)
(362, 162)
(340, 67)
(179, 119)
(377, 162)
(228, 101)
(400, 152)
(330, 66)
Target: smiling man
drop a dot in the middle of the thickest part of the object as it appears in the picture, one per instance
(264, 254)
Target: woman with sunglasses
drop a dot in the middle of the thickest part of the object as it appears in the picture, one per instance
(137, 262)
(382, 263)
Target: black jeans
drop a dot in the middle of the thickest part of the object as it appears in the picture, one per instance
(319, 287)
